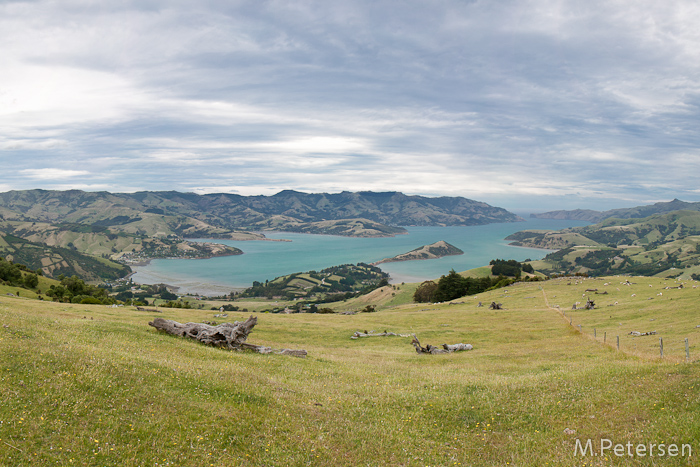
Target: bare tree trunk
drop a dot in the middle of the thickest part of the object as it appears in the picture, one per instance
(226, 335)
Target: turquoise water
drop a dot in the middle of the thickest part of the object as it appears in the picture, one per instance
(263, 260)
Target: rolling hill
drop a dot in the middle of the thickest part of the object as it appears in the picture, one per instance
(94, 385)
(622, 213)
(139, 226)
(663, 244)
(54, 261)
(222, 215)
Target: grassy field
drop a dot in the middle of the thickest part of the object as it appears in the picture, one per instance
(92, 385)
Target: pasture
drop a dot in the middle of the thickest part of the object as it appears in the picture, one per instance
(92, 385)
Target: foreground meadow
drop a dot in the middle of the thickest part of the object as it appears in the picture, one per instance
(91, 385)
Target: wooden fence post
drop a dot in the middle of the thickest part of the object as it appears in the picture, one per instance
(661, 346)
(687, 350)
(594, 333)
(618, 342)
(605, 336)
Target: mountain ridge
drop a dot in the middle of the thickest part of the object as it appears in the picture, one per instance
(218, 214)
(638, 212)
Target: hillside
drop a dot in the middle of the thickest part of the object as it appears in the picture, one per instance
(54, 261)
(435, 250)
(622, 213)
(330, 284)
(86, 384)
(223, 215)
(136, 227)
(662, 244)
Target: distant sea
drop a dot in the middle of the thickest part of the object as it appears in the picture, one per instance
(265, 260)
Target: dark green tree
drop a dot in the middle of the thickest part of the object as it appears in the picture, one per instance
(425, 292)
(31, 281)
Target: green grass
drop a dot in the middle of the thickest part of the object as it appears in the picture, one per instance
(92, 385)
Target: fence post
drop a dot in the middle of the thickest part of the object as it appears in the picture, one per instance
(618, 342)
(579, 328)
(687, 350)
(594, 333)
(661, 346)
(605, 336)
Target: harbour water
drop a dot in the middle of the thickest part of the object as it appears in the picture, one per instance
(264, 260)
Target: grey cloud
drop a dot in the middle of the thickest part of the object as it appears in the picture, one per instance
(545, 96)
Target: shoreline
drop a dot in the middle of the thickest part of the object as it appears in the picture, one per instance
(393, 260)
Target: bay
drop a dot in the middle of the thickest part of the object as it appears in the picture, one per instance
(265, 260)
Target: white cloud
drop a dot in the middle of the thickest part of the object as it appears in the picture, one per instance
(53, 173)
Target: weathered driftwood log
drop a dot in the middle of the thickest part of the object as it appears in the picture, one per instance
(359, 334)
(431, 349)
(457, 347)
(226, 335)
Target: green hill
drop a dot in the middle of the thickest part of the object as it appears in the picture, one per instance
(93, 385)
(662, 244)
(330, 284)
(54, 261)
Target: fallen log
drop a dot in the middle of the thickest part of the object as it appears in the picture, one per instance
(359, 334)
(225, 335)
(446, 348)
(457, 347)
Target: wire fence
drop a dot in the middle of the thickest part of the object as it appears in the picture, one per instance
(650, 344)
(645, 344)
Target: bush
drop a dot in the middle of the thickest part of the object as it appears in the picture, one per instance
(90, 301)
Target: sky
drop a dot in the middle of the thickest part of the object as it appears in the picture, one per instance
(531, 105)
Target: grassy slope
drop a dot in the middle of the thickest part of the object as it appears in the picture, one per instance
(92, 385)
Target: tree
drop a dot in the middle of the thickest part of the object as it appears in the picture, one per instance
(505, 267)
(450, 287)
(31, 281)
(425, 292)
(10, 272)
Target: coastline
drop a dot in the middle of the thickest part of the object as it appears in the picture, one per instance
(396, 260)
(310, 252)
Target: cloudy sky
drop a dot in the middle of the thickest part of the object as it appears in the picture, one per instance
(528, 105)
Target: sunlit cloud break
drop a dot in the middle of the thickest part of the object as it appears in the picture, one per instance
(53, 174)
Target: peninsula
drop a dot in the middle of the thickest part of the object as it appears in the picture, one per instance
(432, 251)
